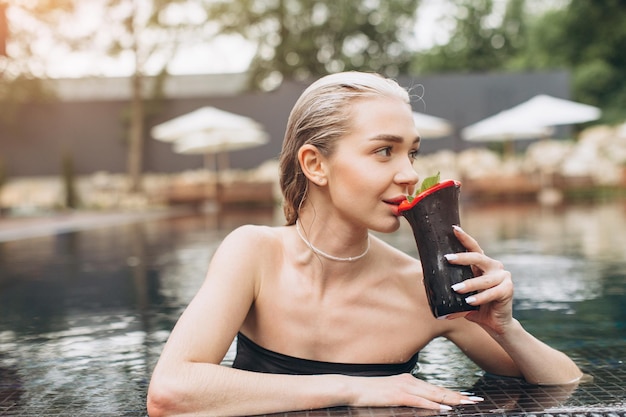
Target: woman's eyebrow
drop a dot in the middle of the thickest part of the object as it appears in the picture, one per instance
(394, 139)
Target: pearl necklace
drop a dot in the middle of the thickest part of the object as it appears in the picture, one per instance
(326, 255)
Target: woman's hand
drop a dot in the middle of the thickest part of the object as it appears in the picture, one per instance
(526, 356)
(406, 390)
(492, 282)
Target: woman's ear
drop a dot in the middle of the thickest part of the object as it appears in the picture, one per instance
(313, 164)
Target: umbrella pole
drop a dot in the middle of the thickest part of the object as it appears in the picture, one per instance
(509, 149)
(210, 164)
(222, 164)
(218, 182)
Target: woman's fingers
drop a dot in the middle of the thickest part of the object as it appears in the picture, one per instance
(407, 390)
(436, 396)
(484, 291)
(491, 288)
(483, 263)
(483, 282)
(496, 285)
(442, 401)
(491, 282)
(466, 240)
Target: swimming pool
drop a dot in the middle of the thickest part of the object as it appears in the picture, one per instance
(84, 315)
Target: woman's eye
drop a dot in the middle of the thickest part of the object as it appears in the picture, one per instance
(386, 151)
(413, 154)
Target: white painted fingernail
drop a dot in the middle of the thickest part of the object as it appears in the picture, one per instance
(477, 398)
(458, 286)
(451, 256)
(470, 300)
(466, 393)
(445, 407)
(458, 228)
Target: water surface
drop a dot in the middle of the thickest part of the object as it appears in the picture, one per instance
(84, 315)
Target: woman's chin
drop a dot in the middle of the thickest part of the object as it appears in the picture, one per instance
(388, 226)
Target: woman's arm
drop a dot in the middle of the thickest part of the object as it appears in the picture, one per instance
(223, 391)
(515, 353)
(189, 380)
(206, 389)
(537, 362)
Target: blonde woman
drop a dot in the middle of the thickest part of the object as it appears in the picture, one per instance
(325, 313)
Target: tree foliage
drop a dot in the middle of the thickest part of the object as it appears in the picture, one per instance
(586, 38)
(27, 28)
(128, 24)
(151, 32)
(147, 31)
(480, 41)
(299, 38)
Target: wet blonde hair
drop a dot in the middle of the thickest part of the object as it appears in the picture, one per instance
(320, 117)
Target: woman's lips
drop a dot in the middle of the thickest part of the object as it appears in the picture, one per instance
(395, 200)
(395, 203)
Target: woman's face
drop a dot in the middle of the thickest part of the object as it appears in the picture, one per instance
(371, 170)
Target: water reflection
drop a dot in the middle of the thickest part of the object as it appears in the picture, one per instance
(571, 281)
(83, 316)
(592, 232)
(568, 260)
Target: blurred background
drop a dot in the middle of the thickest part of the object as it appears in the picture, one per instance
(83, 86)
(136, 134)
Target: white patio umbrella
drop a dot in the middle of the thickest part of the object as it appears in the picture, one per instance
(213, 133)
(431, 127)
(504, 126)
(203, 119)
(218, 143)
(546, 110)
(531, 119)
(209, 130)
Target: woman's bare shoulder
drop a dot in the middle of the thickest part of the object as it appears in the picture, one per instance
(399, 259)
(253, 240)
(245, 255)
(255, 232)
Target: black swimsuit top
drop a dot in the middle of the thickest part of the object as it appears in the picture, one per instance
(252, 357)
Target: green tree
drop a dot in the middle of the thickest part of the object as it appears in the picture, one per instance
(151, 32)
(137, 28)
(26, 27)
(481, 40)
(299, 38)
(587, 38)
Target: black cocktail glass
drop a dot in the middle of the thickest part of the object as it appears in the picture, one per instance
(431, 216)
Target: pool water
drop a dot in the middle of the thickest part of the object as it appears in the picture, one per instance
(84, 315)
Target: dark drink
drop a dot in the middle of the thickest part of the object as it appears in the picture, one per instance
(431, 216)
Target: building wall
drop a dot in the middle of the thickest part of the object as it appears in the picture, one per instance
(465, 99)
(87, 121)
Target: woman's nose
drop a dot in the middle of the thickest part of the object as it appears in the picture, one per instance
(407, 176)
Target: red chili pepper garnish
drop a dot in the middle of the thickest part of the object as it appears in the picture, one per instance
(406, 205)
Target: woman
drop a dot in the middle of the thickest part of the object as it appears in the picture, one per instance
(326, 313)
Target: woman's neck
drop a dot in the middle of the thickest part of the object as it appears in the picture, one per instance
(333, 242)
